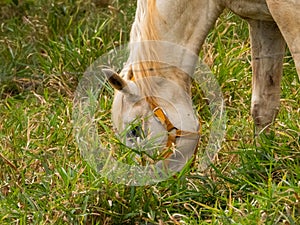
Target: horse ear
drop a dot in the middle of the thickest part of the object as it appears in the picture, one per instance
(114, 79)
(118, 83)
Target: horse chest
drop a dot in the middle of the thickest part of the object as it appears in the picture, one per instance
(250, 9)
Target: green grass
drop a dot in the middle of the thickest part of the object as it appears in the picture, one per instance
(45, 46)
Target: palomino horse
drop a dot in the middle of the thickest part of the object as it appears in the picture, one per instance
(157, 93)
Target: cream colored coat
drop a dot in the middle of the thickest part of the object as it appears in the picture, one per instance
(186, 23)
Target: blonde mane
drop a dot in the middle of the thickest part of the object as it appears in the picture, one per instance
(142, 57)
(145, 44)
(144, 27)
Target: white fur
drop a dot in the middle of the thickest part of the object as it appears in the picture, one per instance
(186, 23)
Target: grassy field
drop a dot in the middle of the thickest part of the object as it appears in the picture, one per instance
(45, 46)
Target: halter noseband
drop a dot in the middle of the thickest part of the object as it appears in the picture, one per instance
(173, 132)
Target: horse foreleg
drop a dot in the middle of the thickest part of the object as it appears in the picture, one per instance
(268, 47)
(287, 16)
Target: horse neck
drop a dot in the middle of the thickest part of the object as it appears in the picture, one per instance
(182, 22)
(169, 33)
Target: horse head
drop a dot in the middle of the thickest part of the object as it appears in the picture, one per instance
(155, 114)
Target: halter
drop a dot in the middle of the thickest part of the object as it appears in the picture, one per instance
(173, 132)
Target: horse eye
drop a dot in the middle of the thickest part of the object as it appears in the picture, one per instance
(135, 132)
